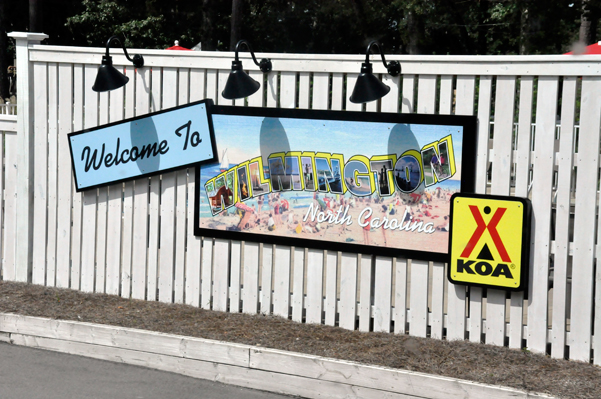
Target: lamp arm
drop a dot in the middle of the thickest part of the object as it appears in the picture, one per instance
(137, 60)
(265, 64)
(393, 67)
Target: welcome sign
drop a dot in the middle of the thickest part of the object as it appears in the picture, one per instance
(142, 146)
(336, 180)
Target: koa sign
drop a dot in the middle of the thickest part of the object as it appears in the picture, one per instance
(490, 241)
(349, 181)
(142, 146)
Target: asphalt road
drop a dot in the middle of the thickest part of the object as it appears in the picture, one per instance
(35, 373)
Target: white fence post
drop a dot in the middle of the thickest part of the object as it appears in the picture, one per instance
(25, 105)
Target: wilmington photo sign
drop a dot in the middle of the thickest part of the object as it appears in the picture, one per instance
(347, 181)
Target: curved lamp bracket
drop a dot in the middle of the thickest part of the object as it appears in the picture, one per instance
(393, 67)
(137, 60)
(264, 65)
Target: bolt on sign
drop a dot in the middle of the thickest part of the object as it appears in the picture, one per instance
(489, 244)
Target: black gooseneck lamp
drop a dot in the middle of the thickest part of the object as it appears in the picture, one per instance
(239, 84)
(109, 78)
(368, 87)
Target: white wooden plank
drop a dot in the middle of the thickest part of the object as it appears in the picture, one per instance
(167, 252)
(390, 102)
(382, 294)
(245, 377)
(114, 213)
(597, 320)
(281, 281)
(298, 285)
(445, 106)
(331, 266)
(194, 245)
(197, 84)
(500, 185)
(40, 186)
(456, 313)
(337, 91)
(418, 321)
(314, 300)
(271, 88)
(52, 174)
(365, 294)
(304, 90)
(10, 206)
(348, 290)
(387, 380)
(266, 277)
(180, 235)
(168, 198)
(426, 95)
(407, 101)
(212, 86)
(222, 76)
(257, 99)
(141, 188)
(321, 90)
(181, 200)
(129, 338)
(437, 312)
(287, 90)
(154, 208)
(439, 280)
(101, 207)
(351, 80)
(484, 100)
(128, 201)
(206, 273)
(65, 114)
(235, 274)
(78, 79)
(88, 245)
(584, 224)
(522, 172)
(400, 295)
(372, 106)
(542, 191)
(221, 261)
(250, 298)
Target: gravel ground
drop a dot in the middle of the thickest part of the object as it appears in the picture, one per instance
(458, 359)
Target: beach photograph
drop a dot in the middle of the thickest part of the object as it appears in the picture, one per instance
(383, 194)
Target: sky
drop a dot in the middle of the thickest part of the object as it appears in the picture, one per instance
(241, 135)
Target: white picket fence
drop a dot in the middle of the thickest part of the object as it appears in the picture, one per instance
(136, 239)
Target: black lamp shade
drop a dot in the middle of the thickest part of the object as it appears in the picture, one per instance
(108, 78)
(239, 84)
(368, 87)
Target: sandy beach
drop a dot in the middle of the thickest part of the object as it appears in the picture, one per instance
(331, 217)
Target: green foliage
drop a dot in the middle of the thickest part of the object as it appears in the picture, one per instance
(322, 26)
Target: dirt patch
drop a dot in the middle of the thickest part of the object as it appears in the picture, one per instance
(457, 359)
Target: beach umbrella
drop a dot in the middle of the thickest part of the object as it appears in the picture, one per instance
(322, 204)
(243, 207)
(177, 47)
(593, 49)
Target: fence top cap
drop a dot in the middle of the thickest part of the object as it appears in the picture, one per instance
(30, 36)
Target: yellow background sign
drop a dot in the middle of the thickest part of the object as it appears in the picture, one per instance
(489, 241)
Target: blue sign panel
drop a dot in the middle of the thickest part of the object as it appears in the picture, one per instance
(129, 149)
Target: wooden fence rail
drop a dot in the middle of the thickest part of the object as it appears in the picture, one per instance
(136, 239)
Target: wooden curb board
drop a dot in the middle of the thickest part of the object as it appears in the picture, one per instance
(248, 366)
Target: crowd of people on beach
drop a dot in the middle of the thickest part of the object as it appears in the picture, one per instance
(274, 213)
